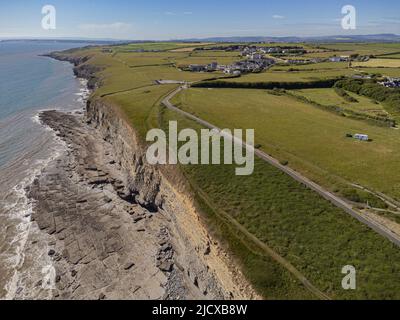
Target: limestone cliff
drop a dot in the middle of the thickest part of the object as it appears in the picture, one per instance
(205, 263)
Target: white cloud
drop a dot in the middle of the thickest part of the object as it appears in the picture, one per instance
(117, 30)
(171, 13)
(277, 16)
(111, 27)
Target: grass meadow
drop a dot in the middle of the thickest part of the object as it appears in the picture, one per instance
(306, 230)
(312, 140)
(330, 97)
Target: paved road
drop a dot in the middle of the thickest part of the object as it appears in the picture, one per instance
(338, 202)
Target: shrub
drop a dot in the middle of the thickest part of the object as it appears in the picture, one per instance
(363, 197)
(284, 162)
(369, 88)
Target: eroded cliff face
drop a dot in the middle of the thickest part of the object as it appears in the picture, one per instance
(143, 181)
(82, 69)
(201, 260)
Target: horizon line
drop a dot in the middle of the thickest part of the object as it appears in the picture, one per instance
(194, 39)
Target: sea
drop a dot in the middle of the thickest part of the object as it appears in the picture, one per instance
(29, 84)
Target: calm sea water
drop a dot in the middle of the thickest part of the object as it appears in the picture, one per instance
(29, 83)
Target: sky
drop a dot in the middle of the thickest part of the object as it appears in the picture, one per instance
(182, 19)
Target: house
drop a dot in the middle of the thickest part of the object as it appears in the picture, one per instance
(339, 59)
(361, 76)
(197, 68)
(232, 70)
(256, 56)
(317, 60)
(221, 67)
(297, 61)
(274, 50)
(361, 137)
(236, 73)
(391, 83)
(212, 66)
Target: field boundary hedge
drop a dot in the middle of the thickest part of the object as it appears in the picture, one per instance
(319, 84)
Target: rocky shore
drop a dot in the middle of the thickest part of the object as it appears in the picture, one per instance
(117, 227)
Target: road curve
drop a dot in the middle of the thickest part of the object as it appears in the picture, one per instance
(338, 202)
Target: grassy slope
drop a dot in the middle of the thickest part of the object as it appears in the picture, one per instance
(330, 97)
(316, 237)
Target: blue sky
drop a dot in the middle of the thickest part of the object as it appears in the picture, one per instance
(172, 19)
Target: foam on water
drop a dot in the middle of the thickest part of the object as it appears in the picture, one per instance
(21, 209)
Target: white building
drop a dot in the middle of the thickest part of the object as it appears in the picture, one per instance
(339, 59)
(256, 56)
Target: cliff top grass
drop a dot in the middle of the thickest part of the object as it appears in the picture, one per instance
(313, 235)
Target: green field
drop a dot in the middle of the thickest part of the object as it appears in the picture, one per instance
(313, 140)
(215, 53)
(330, 97)
(391, 56)
(121, 77)
(364, 48)
(374, 63)
(157, 46)
(388, 72)
(309, 232)
(315, 66)
(295, 76)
